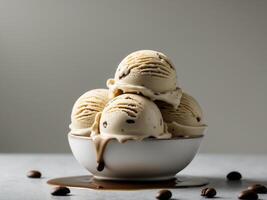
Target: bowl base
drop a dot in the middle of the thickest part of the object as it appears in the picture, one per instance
(161, 178)
(90, 182)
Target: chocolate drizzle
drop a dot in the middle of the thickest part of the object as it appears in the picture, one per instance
(100, 145)
(100, 167)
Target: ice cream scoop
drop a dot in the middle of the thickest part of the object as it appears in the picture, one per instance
(149, 73)
(187, 119)
(85, 109)
(128, 117)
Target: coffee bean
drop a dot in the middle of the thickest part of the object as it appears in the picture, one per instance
(164, 195)
(258, 188)
(34, 174)
(100, 167)
(234, 176)
(60, 191)
(248, 195)
(208, 192)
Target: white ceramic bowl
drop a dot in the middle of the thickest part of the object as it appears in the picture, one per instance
(150, 159)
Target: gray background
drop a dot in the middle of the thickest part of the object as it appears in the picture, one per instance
(53, 51)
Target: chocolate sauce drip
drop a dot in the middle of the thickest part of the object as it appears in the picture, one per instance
(100, 145)
(100, 167)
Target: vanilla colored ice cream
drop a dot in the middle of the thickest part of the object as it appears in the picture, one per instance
(149, 73)
(187, 119)
(85, 109)
(130, 116)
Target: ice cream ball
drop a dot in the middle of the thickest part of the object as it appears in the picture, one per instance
(149, 73)
(132, 117)
(85, 110)
(187, 119)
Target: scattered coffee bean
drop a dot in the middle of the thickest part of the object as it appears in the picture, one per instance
(208, 192)
(234, 176)
(248, 195)
(34, 174)
(164, 195)
(100, 167)
(60, 191)
(258, 188)
(130, 121)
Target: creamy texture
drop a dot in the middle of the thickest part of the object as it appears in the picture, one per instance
(127, 117)
(147, 72)
(85, 110)
(130, 116)
(144, 100)
(187, 119)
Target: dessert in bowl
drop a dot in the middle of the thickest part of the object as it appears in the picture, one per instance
(144, 127)
(149, 159)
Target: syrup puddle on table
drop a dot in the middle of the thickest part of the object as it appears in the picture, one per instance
(90, 182)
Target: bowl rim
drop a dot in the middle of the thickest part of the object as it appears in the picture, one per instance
(186, 137)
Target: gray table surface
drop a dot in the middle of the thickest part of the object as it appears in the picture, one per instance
(15, 185)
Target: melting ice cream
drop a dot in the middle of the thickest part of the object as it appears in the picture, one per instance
(128, 117)
(143, 100)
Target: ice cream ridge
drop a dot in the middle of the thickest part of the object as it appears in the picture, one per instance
(142, 101)
(148, 73)
(85, 110)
